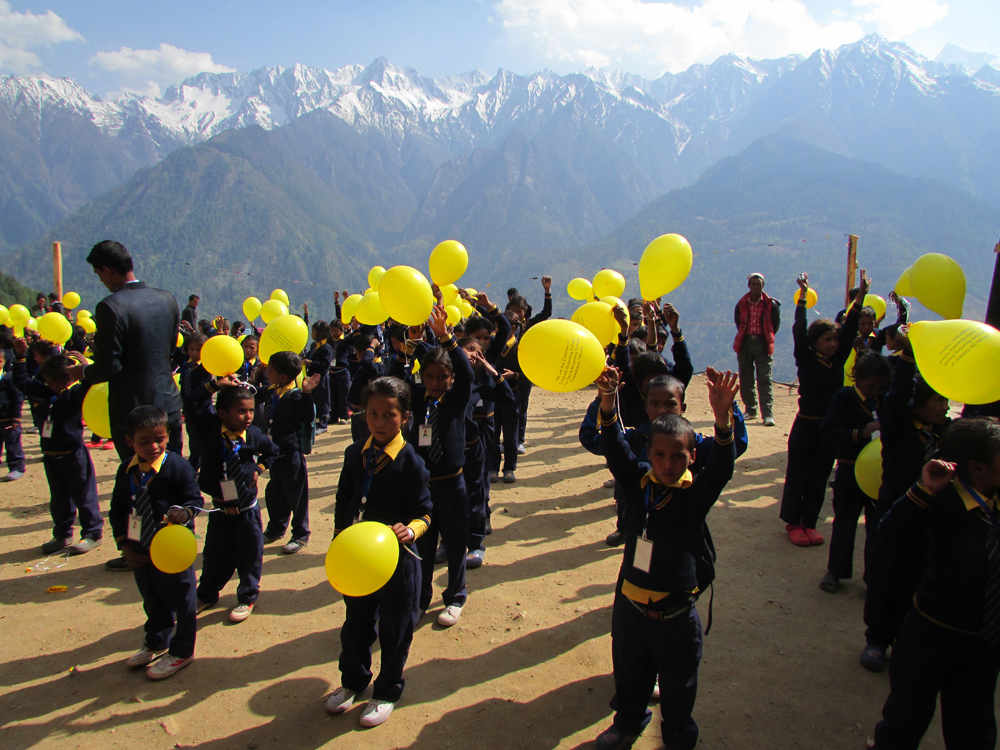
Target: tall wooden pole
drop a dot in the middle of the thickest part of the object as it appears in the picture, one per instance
(993, 306)
(57, 285)
(852, 266)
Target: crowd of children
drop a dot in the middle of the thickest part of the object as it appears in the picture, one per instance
(438, 413)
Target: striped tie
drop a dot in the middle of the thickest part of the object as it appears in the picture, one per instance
(144, 507)
(186, 379)
(234, 471)
(991, 601)
(435, 451)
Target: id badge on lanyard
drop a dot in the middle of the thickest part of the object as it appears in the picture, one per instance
(643, 557)
(47, 428)
(229, 492)
(134, 528)
(424, 438)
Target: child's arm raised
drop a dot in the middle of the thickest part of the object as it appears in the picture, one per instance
(910, 517)
(801, 324)
(461, 388)
(683, 369)
(622, 462)
(722, 390)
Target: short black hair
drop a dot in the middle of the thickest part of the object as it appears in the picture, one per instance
(853, 293)
(41, 295)
(336, 325)
(145, 416)
(55, 367)
(437, 356)
(922, 392)
(869, 311)
(478, 323)
(43, 347)
(53, 296)
(512, 292)
(195, 338)
(971, 439)
(870, 364)
(389, 387)
(361, 341)
(321, 330)
(286, 363)
(230, 394)
(673, 425)
(193, 297)
(249, 337)
(637, 346)
(647, 365)
(6, 338)
(666, 381)
(110, 254)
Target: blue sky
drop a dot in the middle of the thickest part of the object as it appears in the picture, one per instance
(111, 45)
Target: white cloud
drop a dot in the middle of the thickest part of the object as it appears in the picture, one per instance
(899, 18)
(146, 71)
(22, 33)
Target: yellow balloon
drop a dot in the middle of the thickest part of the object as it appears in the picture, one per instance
(348, 307)
(222, 355)
(902, 287)
(251, 308)
(32, 324)
(449, 260)
(177, 380)
(84, 314)
(173, 549)
(362, 558)
(279, 294)
(849, 367)
(88, 325)
(71, 300)
(449, 293)
(95, 410)
(608, 283)
(580, 289)
(273, 308)
(375, 275)
(180, 339)
(55, 327)
(369, 311)
(467, 309)
(877, 304)
(18, 315)
(958, 359)
(811, 297)
(405, 295)
(454, 314)
(614, 302)
(4, 314)
(289, 333)
(560, 356)
(599, 319)
(664, 265)
(938, 283)
(868, 469)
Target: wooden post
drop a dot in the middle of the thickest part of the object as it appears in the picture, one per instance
(993, 306)
(57, 285)
(852, 266)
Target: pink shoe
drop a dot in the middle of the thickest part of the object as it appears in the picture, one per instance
(815, 538)
(797, 535)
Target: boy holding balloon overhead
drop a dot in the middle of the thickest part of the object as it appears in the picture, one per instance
(157, 487)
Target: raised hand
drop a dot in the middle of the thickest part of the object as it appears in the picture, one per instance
(20, 346)
(311, 382)
(671, 315)
(864, 286)
(484, 301)
(608, 383)
(621, 317)
(439, 321)
(547, 283)
(722, 390)
(803, 282)
(937, 474)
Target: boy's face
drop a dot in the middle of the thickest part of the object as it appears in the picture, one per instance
(149, 443)
(250, 349)
(194, 351)
(57, 385)
(276, 378)
(828, 343)
(669, 456)
(872, 387)
(661, 400)
(384, 417)
(865, 326)
(239, 416)
(437, 380)
(935, 411)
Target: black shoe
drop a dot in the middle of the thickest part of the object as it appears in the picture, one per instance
(54, 545)
(615, 739)
(489, 526)
(441, 555)
(119, 563)
(615, 539)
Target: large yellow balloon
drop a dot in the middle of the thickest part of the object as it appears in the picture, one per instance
(173, 549)
(369, 311)
(599, 319)
(449, 293)
(560, 355)
(811, 297)
(251, 308)
(55, 327)
(95, 410)
(580, 289)
(71, 300)
(877, 304)
(279, 294)
(375, 275)
(449, 260)
(289, 333)
(406, 295)
(868, 469)
(88, 325)
(362, 558)
(18, 315)
(664, 265)
(608, 283)
(902, 287)
(222, 355)
(4, 314)
(958, 359)
(272, 309)
(938, 283)
(348, 308)
(454, 314)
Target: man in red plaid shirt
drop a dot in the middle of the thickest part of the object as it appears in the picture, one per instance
(757, 320)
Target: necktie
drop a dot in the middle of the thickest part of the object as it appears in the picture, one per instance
(267, 407)
(435, 450)
(144, 507)
(991, 601)
(186, 379)
(234, 472)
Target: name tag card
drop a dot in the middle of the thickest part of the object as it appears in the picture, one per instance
(424, 439)
(229, 493)
(47, 428)
(134, 528)
(643, 554)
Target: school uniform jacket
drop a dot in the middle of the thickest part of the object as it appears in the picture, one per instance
(196, 389)
(367, 370)
(820, 378)
(320, 358)
(632, 404)
(64, 410)
(281, 414)
(11, 400)
(846, 419)
(487, 392)
(256, 453)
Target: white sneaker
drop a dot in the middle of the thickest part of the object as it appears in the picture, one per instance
(13, 476)
(376, 712)
(452, 614)
(166, 666)
(144, 656)
(341, 700)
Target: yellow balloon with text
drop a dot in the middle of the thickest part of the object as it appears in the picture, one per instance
(406, 295)
(95, 410)
(281, 296)
(608, 283)
(599, 319)
(811, 297)
(958, 358)
(173, 549)
(55, 327)
(369, 311)
(348, 307)
(448, 262)
(71, 300)
(868, 469)
(560, 356)
(251, 308)
(288, 333)
(362, 558)
(580, 289)
(664, 265)
(222, 355)
(272, 309)
(938, 283)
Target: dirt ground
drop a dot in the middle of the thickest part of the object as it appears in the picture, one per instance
(529, 665)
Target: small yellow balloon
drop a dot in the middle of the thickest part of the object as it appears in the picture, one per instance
(454, 314)
(55, 327)
(449, 260)
(4, 314)
(348, 308)
(273, 308)
(289, 333)
(71, 300)
(868, 469)
(852, 358)
(449, 293)
(251, 308)
(614, 302)
(88, 325)
(406, 295)
(580, 289)
(180, 339)
(472, 292)
(938, 283)
(811, 297)
(279, 294)
(32, 324)
(877, 304)
(560, 356)
(18, 315)
(369, 311)
(83, 314)
(362, 558)
(608, 283)
(222, 355)
(664, 265)
(95, 410)
(173, 549)
(958, 359)
(902, 287)
(375, 275)
(599, 319)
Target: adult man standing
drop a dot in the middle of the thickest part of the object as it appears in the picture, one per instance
(757, 320)
(190, 313)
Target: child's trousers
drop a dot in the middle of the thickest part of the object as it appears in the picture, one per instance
(12, 448)
(475, 485)
(287, 497)
(168, 597)
(73, 489)
(450, 522)
(849, 501)
(233, 543)
(810, 461)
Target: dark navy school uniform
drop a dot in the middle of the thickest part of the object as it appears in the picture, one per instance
(487, 419)
(524, 391)
(487, 392)
(11, 401)
(655, 628)
(320, 357)
(848, 415)
(340, 380)
(196, 399)
(810, 456)
(632, 402)
(234, 540)
(507, 417)
(68, 468)
(362, 373)
(167, 598)
(388, 485)
(282, 414)
(247, 369)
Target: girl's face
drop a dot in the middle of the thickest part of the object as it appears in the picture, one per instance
(482, 337)
(828, 343)
(437, 380)
(670, 457)
(865, 326)
(872, 387)
(194, 351)
(472, 349)
(385, 418)
(250, 349)
(935, 411)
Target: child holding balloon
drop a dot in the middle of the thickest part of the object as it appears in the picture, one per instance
(383, 480)
(154, 488)
(11, 402)
(318, 362)
(196, 393)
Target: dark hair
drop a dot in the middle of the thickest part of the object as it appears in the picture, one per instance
(110, 254)
(870, 365)
(55, 367)
(6, 338)
(237, 328)
(818, 328)
(520, 302)
(971, 439)
(230, 394)
(851, 295)
(478, 323)
(336, 325)
(286, 363)
(41, 295)
(869, 311)
(512, 292)
(43, 347)
(673, 425)
(361, 341)
(321, 329)
(666, 381)
(195, 338)
(637, 346)
(193, 297)
(53, 296)
(145, 416)
(892, 330)
(388, 387)
(640, 333)
(250, 337)
(922, 392)
(648, 365)
(398, 333)
(437, 356)
(635, 302)
(459, 327)
(466, 340)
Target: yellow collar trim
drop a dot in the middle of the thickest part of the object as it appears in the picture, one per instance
(281, 390)
(144, 467)
(686, 480)
(232, 434)
(968, 499)
(392, 449)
